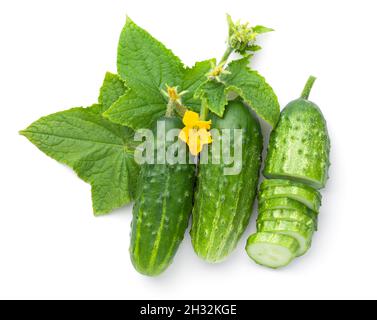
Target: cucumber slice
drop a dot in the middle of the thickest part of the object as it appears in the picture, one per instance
(271, 249)
(289, 204)
(288, 215)
(302, 233)
(280, 182)
(310, 198)
(284, 203)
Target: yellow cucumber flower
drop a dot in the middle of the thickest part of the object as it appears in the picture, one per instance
(195, 133)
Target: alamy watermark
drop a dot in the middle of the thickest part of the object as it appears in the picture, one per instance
(165, 147)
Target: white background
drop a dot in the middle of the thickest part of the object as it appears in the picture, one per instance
(54, 55)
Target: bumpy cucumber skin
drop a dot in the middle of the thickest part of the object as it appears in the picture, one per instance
(299, 146)
(161, 212)
(223, 204)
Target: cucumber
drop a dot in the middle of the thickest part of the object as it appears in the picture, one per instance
(285, 203)
(299, 146)
(310, 198)
(283, 183)
(272, 250)
(161, 212)
(302, 233)
(223, 203)
(289, 204)
(288, 215)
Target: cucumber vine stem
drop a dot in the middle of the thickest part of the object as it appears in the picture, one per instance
(203, 112)
(226, 55)
(204, 108)
(169, 109)
(174, 101)
(175, 107)
(241, 39)
(308, 87)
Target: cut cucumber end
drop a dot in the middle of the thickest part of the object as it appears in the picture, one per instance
(272, 250)
(270, 255)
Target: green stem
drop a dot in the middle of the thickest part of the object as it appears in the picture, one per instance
(181, 110)
(170, 109)
(224, 59)
(204, 112)
(226, 55)
(308, 87)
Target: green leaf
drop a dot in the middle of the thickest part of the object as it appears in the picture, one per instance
(254, 48)
(254, 90)
(144, 60)
(112, 88)
(137, 109)
(214, 95)
(262, 29)
(248, 84)
(192, 79)
(100, 152)
(147, 66)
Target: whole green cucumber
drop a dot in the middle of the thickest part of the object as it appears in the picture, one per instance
(223, 203)
(161, 211)
(300, 145)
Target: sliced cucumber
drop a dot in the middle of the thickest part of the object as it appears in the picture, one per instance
(288, 215)
(280, 182)
(310, 198)
(284, 203)
(302, 233)
(288, 204)
(271, 249)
